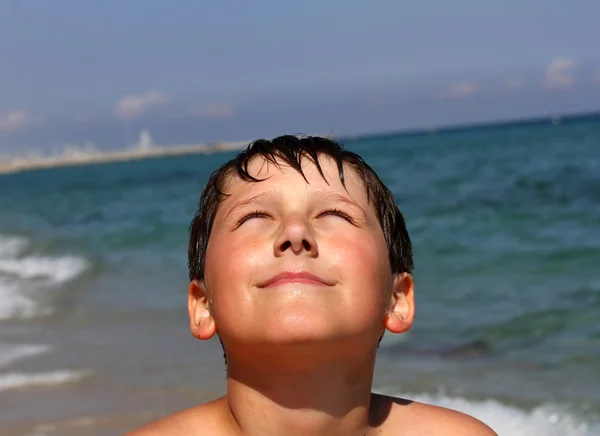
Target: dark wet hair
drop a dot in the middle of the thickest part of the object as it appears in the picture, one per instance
(291, 150)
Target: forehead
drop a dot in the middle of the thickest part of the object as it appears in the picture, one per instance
(281, 175)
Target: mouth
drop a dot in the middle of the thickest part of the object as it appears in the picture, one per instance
(302, 277)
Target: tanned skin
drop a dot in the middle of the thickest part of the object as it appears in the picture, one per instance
(301, 349)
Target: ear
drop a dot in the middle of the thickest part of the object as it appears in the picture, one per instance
(401, 307)
(202, 323)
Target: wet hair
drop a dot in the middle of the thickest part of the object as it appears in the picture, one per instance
(291, 150)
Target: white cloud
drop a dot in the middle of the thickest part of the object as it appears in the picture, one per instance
(559, 73)
(133, 106)
(515, 83)
(461, 90)
(13, 121)
(223, 109)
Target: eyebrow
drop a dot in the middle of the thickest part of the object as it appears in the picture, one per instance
(254, 199)
(333, 197)
(330, 197)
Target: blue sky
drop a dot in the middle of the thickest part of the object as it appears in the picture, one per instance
(191, 71)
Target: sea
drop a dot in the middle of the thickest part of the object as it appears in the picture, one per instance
(505, 222)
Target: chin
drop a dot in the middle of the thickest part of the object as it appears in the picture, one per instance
(298, 329)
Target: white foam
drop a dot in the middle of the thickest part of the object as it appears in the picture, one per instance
(19, 380)
(12, 246)
(22, 277)
(13, 303)
(51, 427)
(55, 269)
(11, 353)
(544, 420)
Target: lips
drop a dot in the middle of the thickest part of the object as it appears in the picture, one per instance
(301, 277)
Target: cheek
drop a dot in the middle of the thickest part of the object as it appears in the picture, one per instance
(362, 259)
(228, 257)
(230, 263)
(362, 263)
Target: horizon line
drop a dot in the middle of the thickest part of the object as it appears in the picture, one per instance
(97, 156)
(478, 125)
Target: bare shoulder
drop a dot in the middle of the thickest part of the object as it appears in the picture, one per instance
(397, 416)
(204, 419)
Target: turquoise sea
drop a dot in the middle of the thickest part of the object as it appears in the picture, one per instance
(505, 222)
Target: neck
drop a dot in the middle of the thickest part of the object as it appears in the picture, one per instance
(300, 392)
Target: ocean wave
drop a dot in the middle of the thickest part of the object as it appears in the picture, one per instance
(13, 303)
(10, 353)
(19, 380)
(11, 246)
(543, 420)
(24, 276)
(57, 270)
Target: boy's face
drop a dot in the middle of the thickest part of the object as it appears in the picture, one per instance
(290, 261)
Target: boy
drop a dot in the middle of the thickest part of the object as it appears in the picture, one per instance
(300, 259)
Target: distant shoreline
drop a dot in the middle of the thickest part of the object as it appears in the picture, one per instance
(21, 164)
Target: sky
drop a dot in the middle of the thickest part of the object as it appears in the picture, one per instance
(192, 71)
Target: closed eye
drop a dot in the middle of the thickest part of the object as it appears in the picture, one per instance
(337, 212)
(253, 214)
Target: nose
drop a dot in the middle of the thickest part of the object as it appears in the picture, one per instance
(296, 237)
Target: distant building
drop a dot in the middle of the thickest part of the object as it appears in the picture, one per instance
(145, 141)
